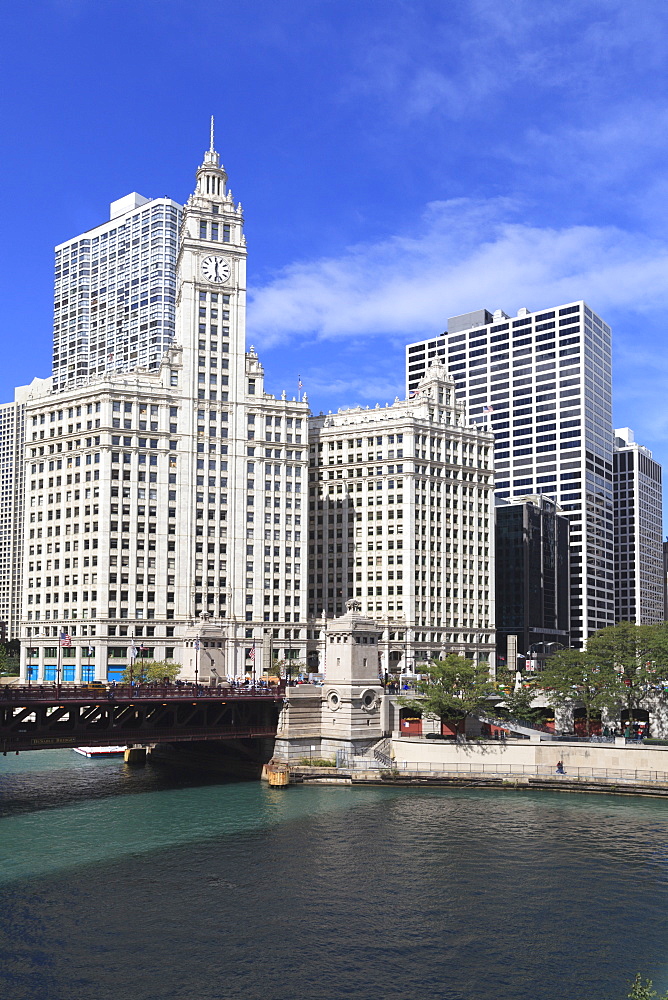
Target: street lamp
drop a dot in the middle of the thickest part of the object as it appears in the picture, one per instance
(133, 655)
(197, 645)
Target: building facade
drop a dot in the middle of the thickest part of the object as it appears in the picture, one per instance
(164, 507)
(639, 571)
(542, 383)
(401, 520)
(532, 579)
(12, 435)
(115, 292)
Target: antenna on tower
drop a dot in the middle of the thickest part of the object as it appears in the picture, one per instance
(211, 149)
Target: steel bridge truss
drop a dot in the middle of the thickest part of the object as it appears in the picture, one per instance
(107, 721)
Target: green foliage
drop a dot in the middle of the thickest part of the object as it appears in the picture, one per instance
(572, 676)
(644, 990)
(517, 704)
(638, 654)
(9, 664)
(147, 671)
(286, 668)
(318, 762)
(455, 687)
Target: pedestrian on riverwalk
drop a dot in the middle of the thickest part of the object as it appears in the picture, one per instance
(560, 767)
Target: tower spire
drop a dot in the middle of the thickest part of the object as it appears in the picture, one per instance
(211, 175)
(211, 157)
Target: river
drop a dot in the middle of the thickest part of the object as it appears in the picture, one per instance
(154, 883)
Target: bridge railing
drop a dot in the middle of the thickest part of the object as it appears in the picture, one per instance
(26, 693)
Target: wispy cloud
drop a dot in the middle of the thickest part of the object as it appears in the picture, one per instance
(374, 298)
(461, 256)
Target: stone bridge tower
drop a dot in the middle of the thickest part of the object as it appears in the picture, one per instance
(345, 713)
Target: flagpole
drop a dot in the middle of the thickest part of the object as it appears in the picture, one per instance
(133, 653)
(58, 661)
(197, 645)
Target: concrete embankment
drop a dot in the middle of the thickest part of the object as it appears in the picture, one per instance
(508, 782)
(613, 768)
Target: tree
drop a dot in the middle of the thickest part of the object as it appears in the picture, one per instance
(286, 668)
(454, 688)
(644, 990)
(572, 677)
(517, 704)
(638, 654)
(148, 671)
(9, 661)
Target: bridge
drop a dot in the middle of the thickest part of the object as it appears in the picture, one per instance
(40, 717)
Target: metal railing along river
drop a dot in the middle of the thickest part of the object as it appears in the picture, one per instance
(473, 769)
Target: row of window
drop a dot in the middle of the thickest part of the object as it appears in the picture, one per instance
(215, 231)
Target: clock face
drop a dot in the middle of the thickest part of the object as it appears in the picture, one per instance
(216, 269)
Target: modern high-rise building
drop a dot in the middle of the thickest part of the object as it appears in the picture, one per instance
(12, 434)
(532, 578)
(164, 508)
(401, 519)
(543, 383)
(638, 501)
(115, 292)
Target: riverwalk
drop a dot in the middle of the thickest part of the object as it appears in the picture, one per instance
(614, 781)
(515, 764)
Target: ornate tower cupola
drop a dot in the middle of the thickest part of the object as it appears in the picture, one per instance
(211, 176)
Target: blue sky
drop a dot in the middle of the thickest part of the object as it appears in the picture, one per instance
(399, 162)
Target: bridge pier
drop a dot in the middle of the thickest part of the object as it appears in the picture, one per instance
(135, 756)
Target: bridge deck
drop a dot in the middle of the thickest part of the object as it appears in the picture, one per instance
(41, 717)
(26, 694)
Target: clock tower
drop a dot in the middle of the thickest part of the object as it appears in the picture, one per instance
(211, 283)
(240, 486)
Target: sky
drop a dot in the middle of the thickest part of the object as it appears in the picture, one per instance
(399, 162)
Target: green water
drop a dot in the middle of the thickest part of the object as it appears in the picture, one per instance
(157, 883)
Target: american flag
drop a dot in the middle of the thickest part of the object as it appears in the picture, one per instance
(414, 392)
(65, 639)
(488, 409)
(251, 654)
(300, 384)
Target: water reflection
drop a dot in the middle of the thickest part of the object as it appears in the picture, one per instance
(161, 887)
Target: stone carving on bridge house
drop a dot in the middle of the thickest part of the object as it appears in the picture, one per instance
(352, 693)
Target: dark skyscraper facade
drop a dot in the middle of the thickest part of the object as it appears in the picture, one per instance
(532, 577)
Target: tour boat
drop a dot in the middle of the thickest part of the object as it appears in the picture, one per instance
(100, 751)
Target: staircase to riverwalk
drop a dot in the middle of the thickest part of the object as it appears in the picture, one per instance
(521, 728)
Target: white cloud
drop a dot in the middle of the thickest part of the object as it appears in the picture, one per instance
(462, 255)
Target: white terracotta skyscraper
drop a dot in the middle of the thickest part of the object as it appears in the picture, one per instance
(164, 504)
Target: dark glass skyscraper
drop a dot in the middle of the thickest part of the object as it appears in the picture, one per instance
(532, 577)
